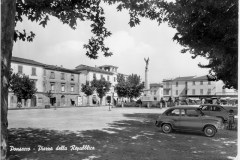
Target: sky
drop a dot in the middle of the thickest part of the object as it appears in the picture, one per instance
(58, 44)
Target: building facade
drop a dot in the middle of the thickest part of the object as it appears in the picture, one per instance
(88, 73)
(196, 88)
(34, 70)
(63, 84)
(156, 91)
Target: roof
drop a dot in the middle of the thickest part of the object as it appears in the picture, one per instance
(108, 66)
(156, 85)
(26, 61)
(201, 78)
(183, 78)
(57, 68)
(89, 68)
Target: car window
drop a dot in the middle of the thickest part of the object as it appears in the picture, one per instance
(215, 108)
(174, 112)
(205, 108)
(191, 113)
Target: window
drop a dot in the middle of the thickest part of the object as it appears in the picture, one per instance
(94, 75)
(52, 75)
(114, 79)
(186, 84)
(108, 78)
(174, 112)
(193, 92)
(176, 84)
(215, 108)
(72, 77)
(201, 91)
(186, 92)
(176, 92)
(20, 69)
(33, 71)
(155, 92)
(193, 82)
(101, 76)
(52, 86)
(201, 82)
(191, 113)
(62, 76)
(63, 87)
(209, 82)
(205, 108)
(44, 72)
(209, 92)
(72, 88)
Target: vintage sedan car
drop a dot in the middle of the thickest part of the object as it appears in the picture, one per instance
(188, 118)
(215, 110)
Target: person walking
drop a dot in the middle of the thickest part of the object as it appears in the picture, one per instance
(230, 119)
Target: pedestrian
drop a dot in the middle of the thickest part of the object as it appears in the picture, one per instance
(230, 119)
(19, 104)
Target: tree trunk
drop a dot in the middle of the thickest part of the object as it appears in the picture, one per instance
(8, 9)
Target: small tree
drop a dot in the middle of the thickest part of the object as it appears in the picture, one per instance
(121, 87)
(102, 87)
(22, 86)
(88, 90)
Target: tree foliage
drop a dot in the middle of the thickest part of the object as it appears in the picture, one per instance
(87, 89)
(68, 12)
(131, 87)
(206, 28)
(135, 87)
(101, 86)
(22, 86)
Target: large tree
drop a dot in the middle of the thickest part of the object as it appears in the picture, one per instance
(68, 12)
(206, 28)
(22, 86)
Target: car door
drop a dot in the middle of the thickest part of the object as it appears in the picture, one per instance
(191, 119)
(174, 118)
(206, 109)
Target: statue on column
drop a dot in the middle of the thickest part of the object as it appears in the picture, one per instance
(147, 61)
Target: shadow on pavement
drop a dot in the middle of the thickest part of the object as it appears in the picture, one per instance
(127, 139)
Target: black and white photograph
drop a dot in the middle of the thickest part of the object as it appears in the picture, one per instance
(119, 79)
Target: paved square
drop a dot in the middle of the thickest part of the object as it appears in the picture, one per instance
(96, 133)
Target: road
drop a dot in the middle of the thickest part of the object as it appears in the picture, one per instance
(122, 133)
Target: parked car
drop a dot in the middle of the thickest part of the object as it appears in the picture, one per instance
(188, 118)
(215, 110)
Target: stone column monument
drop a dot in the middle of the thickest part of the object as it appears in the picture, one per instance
(146, 97)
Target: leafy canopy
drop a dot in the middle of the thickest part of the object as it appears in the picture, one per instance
(22, 86)
(206, 28)
(68, 12)
(102, 86)
(87, 89)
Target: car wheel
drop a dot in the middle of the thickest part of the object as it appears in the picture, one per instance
(167, 128)
(210, 131)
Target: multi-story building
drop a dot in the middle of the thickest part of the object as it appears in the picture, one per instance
(63, 84)
(195, 87)
(156, 91)
(88, 73)
(34, 70)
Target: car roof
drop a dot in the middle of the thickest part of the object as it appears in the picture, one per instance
(184, 107)
(211, 105)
